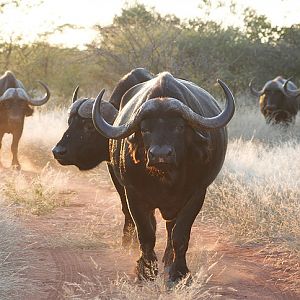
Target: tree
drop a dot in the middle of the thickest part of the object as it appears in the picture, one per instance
(259, 29)
(138, 37)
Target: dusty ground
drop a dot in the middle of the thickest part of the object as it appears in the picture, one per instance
(79, 246)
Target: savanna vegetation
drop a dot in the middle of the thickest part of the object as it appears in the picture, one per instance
(199, 50)
(255, 199)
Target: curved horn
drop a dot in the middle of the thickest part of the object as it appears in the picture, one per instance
(199, 122)
(195, 120)
(290, 93)
(75, 93)
(106, 129)
(39, 102)
(253, 91)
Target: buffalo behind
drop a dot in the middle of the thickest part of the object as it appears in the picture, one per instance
(278, 100)
(15, 105)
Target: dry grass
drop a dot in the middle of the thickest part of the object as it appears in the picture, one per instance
(257, 193)
(123, 287)
(249, 124)
(38, 195)
(12, 257)
(256, 198)
(41, 132)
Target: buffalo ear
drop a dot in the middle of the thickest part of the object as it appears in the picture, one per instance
(28, 111)
(108, 111)
(135, 147)
(199, 146)
(132, 138)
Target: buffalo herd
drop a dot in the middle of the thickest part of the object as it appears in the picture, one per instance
(164, 141)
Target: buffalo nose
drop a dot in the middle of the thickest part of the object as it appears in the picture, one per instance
(59, 151)
(160, 154)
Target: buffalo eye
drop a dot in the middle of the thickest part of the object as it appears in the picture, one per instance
(89, 127)
(145, 130)
(179, 128)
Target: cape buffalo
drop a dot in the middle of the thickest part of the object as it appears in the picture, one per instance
(83, 146)
(167, 145)
(15, 105)
(277, 104)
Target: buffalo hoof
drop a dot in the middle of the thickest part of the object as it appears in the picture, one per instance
(181, 280)
(186, 281)
(178, 273)
(146, 269)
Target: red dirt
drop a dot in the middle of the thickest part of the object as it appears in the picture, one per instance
(61, 251)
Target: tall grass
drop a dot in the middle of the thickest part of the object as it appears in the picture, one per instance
(255, 198)
(249, 124)
(13, 262)
(257, 195)
(40, 194)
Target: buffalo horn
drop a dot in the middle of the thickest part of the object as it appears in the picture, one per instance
(75, 94)
(253, 91)
(169, 105)
(288, 92)
(39, 102)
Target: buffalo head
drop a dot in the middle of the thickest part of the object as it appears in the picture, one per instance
(162, 131)
(82, 145)
(15, 102)
(277, 100)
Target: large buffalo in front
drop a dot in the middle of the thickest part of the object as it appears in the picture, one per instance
(278, 104)
(15, 105)
(167, 145)
(83, 146)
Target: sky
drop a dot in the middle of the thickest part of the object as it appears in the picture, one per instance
(30, 21)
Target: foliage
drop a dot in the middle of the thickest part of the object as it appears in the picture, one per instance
(195, 49)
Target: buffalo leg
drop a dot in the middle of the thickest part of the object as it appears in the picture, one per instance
(14, 150)
(145, 223)
(169, 254)
(181, 235)
(129, 235)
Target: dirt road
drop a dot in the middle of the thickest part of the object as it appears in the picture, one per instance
(75, 252)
